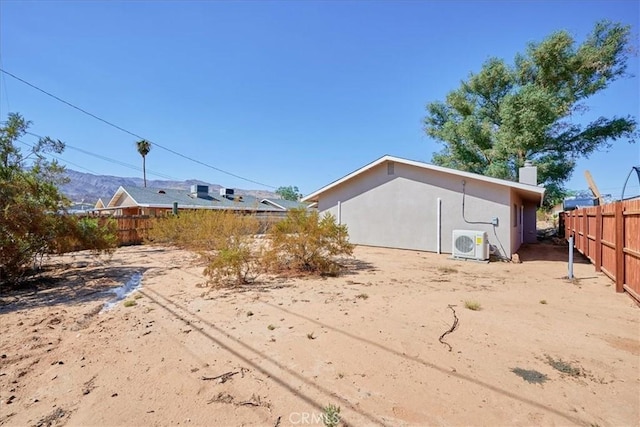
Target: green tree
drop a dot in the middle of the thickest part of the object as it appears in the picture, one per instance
(144, 147)
(289, 193)
(507, 114)
(32, 220)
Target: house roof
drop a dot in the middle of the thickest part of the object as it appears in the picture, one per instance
(284, 204)
(533, 190)
(165, 198)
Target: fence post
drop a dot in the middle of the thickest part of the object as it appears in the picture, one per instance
(619, 247)
(598, 247)
(570, 272)
(569, 226)
(585, 230)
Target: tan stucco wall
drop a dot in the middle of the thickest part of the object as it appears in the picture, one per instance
(528, 234)
(515, 206)
(530, 219)
(400, 210)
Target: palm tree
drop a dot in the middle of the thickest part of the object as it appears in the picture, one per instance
(144, 147)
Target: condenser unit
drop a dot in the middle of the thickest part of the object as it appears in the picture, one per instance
(470, 244)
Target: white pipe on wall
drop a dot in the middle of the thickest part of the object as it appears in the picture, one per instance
(439, 225)
(339, 212)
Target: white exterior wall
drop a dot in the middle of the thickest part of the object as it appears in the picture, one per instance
(400, 210)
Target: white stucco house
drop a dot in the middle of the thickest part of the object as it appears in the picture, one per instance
(399, 203)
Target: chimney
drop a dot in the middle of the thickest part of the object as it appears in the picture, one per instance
(528, 174)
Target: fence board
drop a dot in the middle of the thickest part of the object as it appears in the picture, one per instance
(132, 229)
(609, 236)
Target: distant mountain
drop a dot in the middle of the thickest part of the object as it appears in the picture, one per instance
(89, 188)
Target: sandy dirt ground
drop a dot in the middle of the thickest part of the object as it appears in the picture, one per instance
(540, 351)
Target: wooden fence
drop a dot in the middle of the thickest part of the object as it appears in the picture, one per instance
(132, 229)
(609, 236)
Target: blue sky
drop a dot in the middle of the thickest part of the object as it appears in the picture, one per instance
(282, 93)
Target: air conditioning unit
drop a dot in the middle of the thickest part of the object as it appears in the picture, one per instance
(470, 244)
(226, 192)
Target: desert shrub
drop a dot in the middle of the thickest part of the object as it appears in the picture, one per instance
(224, 239)
(32, 209)
(306, 242)
(473, 305)
(565, 367)
(331, 415)
(194, 229)
(82, 233)
(237, 257)
(234, 265)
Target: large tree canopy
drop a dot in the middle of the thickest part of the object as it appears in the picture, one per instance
(289, 192)
(507, 114)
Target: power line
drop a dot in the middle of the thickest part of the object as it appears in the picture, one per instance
(112, 160)
(5, 91)
(132, 133)
(121, 163)
(58, 158)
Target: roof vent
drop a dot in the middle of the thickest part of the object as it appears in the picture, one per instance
(162, 192)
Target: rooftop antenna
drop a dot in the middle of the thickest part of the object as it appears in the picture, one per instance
(593, 187)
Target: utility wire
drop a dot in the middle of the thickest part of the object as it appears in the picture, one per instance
(112, 160)
(5, 91)
(58, 158)
(491, 223)
(132, 133)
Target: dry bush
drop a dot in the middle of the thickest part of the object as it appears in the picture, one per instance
(33, 233)
(304, 242)
(473, 305)
(301, 243)
(224, 239)
(194, 230)
(81, 233)
(237, 258)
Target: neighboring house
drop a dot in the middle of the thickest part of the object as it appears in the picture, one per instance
(79, 208)
(399, 203)
(158, 202)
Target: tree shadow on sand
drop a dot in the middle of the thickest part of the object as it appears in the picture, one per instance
(65, 285)
(353, 266)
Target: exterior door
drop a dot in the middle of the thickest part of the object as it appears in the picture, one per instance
(521, 225)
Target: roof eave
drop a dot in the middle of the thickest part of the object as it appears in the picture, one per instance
(271, 202)
(313, 197)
